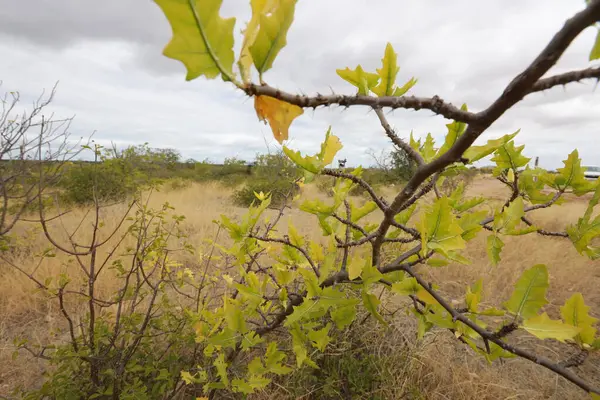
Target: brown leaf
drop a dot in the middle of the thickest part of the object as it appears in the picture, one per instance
(280, 115)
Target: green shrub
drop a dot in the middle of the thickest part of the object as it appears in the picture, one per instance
(103, 181)
(281, 191)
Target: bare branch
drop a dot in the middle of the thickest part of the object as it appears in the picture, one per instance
(396, 140)
(563, 79)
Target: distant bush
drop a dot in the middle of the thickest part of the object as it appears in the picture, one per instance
(281, 192)
(274, 173)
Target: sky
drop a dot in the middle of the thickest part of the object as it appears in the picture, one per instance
(112, 77)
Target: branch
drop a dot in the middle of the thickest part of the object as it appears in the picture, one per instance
(492, 337)
(381, 203)
(396, 140)
(288, 243)
(520, 86)
(435, 104)
(563, 79)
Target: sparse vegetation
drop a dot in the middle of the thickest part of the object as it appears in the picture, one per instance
(286, 277)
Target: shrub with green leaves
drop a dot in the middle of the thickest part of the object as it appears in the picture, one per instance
(300, 288)
(281, 299)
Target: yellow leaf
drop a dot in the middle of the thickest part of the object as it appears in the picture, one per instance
(330, 148)
(355, 268)
(543, 327)
(259, 7)
(279, 114)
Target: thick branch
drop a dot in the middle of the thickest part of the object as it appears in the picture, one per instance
(435, 104)
(514, 92)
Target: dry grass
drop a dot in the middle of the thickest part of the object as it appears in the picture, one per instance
(439, 367)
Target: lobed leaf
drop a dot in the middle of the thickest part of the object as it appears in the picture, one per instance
(529, 294)
(576, 313)
(278, 113)
(543, 327)
(439, 229)
(202, 40)
(259, 8)
(364, 81)
(475, 153)
(271, 36)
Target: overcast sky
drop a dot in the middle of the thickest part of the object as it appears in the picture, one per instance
(107, 57)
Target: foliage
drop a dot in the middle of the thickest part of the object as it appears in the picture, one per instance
(301, 287)
(272, 173)
(273, 301)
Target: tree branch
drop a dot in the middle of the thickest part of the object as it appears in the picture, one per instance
(563, 79)
(435, 104)
(492, 337)
(396, 140)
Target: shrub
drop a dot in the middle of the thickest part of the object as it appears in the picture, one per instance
(282, 192)
(296, 289)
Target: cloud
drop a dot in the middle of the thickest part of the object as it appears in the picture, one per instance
(108, 58)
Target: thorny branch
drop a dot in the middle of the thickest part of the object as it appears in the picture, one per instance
(527, 82)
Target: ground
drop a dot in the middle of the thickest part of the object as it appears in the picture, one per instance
(440, 367)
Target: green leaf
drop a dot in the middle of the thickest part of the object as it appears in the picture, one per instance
(233, 316)
(508, 156)
(314, 164)
(388, 73)
(582, 234)
(357, 213)
(475, 153)
(202, 40)
(473, 296)
(221, 366)
(572, 175)
(576, 313)
(510, 218)
(543, 327)
(273, 359)
(271, 36)
(259, 8)
(494, 248)
(371, 302)
(329, 148)
(529, 294)
(406, 287)
(455, 130)
(343, 316)
(595, 53)
(428, 150)
(471, 224)
(298, 340)
(364, 81)
(320, 339)
(401, 91)
(440, 230)
(531, 183)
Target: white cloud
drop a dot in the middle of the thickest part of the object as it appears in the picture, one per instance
(112, 75)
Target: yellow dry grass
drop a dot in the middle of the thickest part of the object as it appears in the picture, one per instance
(440, 367)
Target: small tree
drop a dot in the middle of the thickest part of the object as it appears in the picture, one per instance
(34, 149)
(308, 288)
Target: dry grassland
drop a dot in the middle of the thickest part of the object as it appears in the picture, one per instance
(437, 368)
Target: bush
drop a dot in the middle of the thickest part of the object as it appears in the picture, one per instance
(85, 182)
(282, 192)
